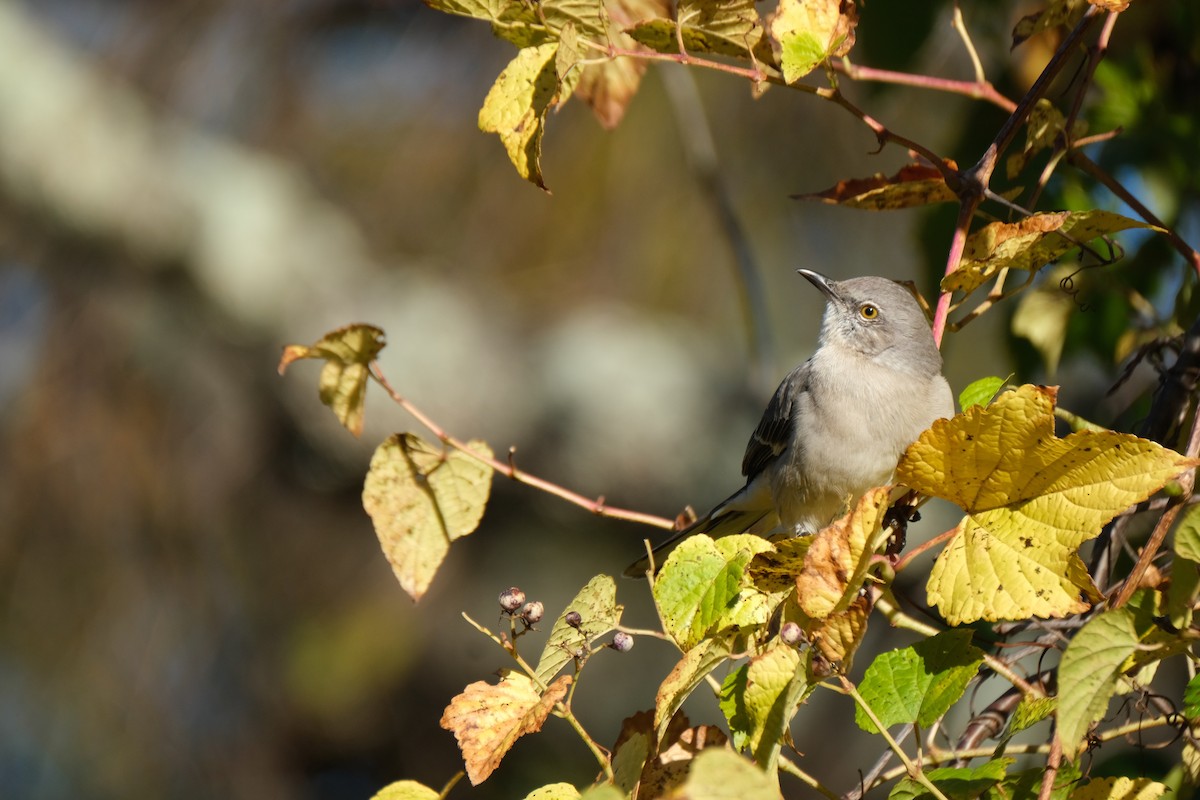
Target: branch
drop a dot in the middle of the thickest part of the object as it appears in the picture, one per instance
(510, 469)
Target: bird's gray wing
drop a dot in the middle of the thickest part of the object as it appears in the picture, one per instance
(778, 424)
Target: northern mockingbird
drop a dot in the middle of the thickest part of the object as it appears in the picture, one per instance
(837, 424)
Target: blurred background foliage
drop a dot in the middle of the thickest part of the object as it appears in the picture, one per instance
(194, 602)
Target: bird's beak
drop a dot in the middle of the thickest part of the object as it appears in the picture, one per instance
(820, 281)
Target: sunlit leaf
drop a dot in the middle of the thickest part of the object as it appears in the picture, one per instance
(839, 634)
(633, 747)
(1119, 788)
(956, 783)
(515, 108)
(487, 719)
(599, 613)
(420, 499)
(724, 27)
(554, 791)
(913, 185)
(840, 555)
(981, 392)
(775, 683)
(1030, 244)
(806, 32)
(347, 353)
(1030, 711)
(405, 790)
(700, 583)
(1031, 500)
(1028, 784)
(918, 683)
(720, 774)
(691, 670)
(1090, 668)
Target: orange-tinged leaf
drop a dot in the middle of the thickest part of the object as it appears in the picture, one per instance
(487, 719)
(840, 554)
(913, 185)
(347, 353)
(608, 87)
(1030, 244)
(420, 499)
(837, 636)
(1031, 500)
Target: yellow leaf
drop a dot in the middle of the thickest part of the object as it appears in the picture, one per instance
(347, 353)
(726, 27)
(1031, 500)
(598, 610)
(809, 31)
(405, 790)
(486, 720)
(1030, 244)
(1119, 788)
(839, 556)
(723, 774)
(685, 677)
(420, 499)
(515, 108)
(775, 681)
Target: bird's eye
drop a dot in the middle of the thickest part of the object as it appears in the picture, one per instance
(868, 311)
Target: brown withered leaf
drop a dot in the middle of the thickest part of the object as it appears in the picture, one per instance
(839, 556)
(913, 185)
(487, 719)
(669, 766)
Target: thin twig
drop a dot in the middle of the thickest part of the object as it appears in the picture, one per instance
(597, 507)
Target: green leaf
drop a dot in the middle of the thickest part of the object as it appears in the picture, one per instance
(1030, 244)
(809, 31)
(775, 682)
(1187, 535)
(719, 774)
(554, 791)
(1191, 699)
(981, 392)
(1030, 711)
(696, 663)
(1088, 673)
(1031, 500)
(956, 783)
(347, 353)
(420, 499)
(515, 108)
(733, 705)
(918, 683)
(1028, 783)
(701, 582)
(634, 745)
(405, 790)
(599, 613)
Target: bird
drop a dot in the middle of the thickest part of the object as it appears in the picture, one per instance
(838, 423)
